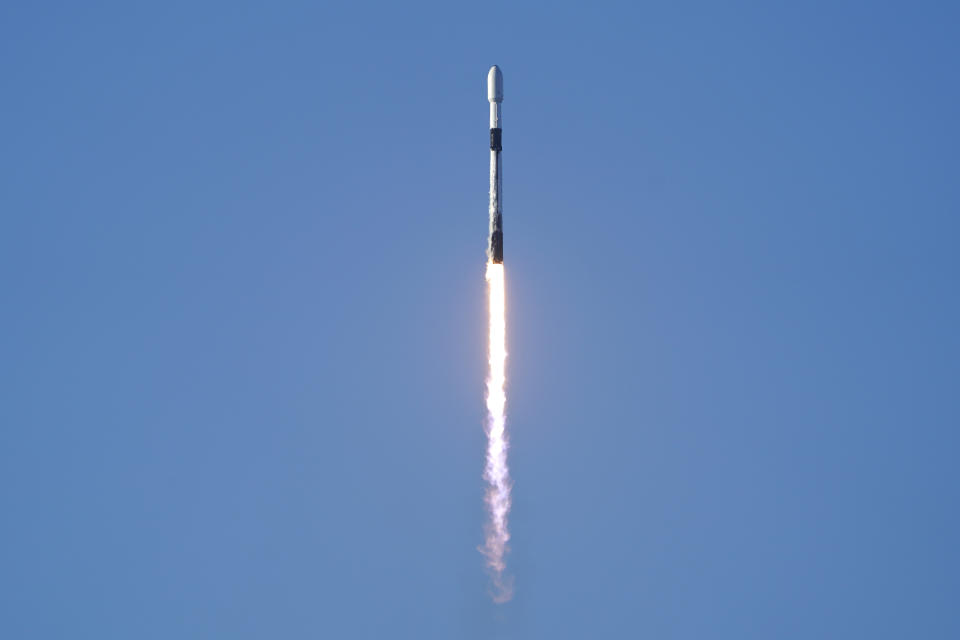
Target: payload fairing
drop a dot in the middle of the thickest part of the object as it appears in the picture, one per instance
(495, 96)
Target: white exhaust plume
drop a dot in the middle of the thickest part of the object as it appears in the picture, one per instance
(496, 473)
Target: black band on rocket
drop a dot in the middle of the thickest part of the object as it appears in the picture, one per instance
(495, 139)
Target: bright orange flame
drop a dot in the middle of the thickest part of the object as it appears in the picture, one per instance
(496, 473)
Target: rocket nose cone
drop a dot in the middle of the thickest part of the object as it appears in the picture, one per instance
(495, 85)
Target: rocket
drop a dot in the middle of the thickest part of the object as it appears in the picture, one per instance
(495, 96)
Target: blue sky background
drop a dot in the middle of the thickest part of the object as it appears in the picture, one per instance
(243, 319)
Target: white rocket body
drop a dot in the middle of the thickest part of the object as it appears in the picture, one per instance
(495, 97)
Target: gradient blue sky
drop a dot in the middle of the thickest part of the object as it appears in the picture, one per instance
(243, 332)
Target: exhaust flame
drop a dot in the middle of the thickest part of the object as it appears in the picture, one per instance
(496, 473)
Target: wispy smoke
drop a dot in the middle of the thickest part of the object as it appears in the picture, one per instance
(496, 473)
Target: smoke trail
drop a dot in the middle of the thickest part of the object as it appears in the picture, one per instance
(496, 473)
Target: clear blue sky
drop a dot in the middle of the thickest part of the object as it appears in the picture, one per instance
(243, 320)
